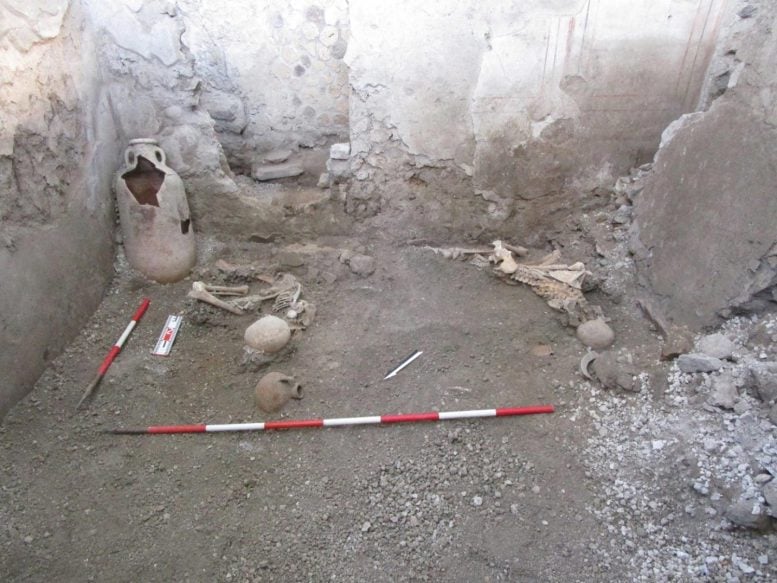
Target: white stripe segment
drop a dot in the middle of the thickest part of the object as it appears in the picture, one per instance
(130, 327)
(235, 427)
(467, 414)
(351, 421)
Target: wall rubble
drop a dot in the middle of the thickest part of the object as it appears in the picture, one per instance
(704, 229)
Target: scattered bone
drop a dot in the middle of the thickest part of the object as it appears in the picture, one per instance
(234, 272)
(517, 249)
(456, 252)
(307, 312)
(460, 252)
(225, 290)
(542, 350)
(200, 293)
(503, 258)
(479, 261)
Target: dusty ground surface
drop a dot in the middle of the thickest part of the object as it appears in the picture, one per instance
(605, 489)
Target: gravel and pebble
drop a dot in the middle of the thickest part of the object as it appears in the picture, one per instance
(687, 477)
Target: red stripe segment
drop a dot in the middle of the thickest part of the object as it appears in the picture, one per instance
(408, 417)
(142, 309)
(177, 429)
(294, 424)
(108, 359)
(533, 410)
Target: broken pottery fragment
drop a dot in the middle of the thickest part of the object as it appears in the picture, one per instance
(154, 213)
(274, 390)
(614, 375)
(268, 334)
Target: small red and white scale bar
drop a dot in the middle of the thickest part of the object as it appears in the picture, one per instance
(165, 343)
(341, 421)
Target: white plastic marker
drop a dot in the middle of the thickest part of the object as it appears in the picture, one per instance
(165, 343)
(403, 364)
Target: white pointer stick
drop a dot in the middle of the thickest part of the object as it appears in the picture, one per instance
(403, 364)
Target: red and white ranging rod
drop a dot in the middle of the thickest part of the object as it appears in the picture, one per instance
(339, 421)
(114, 351)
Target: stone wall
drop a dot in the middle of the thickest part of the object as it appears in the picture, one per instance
(58, 149)
(705, 229)
(151, 81)
(272, 72)
(522, 101)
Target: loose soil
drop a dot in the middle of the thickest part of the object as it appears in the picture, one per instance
(509, 499)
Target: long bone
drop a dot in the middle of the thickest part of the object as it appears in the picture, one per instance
(226, 290)
(199, 292)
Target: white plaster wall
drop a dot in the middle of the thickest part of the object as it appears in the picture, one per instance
(272, 71)
(704, 224)
(528, 97)
(150, 78)
(58, 146)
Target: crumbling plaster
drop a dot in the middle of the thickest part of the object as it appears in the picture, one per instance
(272, 72)
(523, 99)
(150, 77)
(58, 147)
(704, 230)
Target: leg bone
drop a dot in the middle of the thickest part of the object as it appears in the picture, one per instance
(198, 292)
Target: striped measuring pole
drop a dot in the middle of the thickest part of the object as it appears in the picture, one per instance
(339, 421)
(114, 351)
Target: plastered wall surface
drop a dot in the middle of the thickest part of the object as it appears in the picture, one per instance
(529, 99)
(705, 222)
(153, 88)
(272, 72)
(58, 145)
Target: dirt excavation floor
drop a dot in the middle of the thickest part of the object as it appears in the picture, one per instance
(615, 486)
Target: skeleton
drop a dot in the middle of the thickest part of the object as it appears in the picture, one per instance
(285, 290)
(558, 284)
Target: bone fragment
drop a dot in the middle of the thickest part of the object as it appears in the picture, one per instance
(517, 249)
(456, 252)
(198, 292)
(504, 257)
(225, 290)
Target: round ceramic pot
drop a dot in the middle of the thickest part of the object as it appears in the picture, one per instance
(154, 214)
